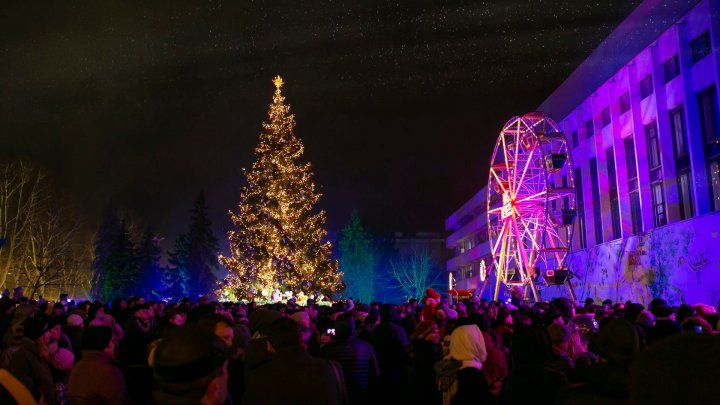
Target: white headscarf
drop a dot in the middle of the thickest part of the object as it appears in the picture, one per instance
(468, 345)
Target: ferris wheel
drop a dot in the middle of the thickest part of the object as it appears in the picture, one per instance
(531, 205)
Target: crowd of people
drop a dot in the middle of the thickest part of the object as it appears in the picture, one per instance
(432, 351)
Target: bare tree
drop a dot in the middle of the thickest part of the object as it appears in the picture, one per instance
(22, 191)
(48, 258)
(414, 273)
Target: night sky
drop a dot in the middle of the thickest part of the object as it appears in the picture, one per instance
(398, 104)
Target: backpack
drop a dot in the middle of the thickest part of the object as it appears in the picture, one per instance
(446, 372)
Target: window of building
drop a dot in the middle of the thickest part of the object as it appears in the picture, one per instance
(658, 204)
(714, 179)
(636, 212)
(624, 102)
(653, 146)
(646, 87)
(700, 47)
(677, 128)
(630, 159)
(613, 191)
(684, 180)
(606, 117)
(589, 128)
(575, 139)
(580, 222)
(671, 68)
(635, 209)
(707, 104)
(597, 213)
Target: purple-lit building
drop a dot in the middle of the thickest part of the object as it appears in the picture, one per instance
(641, 116)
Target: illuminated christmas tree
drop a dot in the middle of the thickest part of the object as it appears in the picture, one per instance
(277, 241)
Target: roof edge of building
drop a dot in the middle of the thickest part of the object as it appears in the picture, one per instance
(626, 41)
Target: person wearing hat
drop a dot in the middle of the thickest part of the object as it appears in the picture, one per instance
(665, 324)
(96, 378)
(133, 354)
(560, 358)
(190, 367)
(73, 330)
(430, 302)
(257, 352)
(425, 352)
(30, 362)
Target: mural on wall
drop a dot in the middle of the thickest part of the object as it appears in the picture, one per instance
(679, 262)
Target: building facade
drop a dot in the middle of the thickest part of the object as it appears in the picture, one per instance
(641, 116)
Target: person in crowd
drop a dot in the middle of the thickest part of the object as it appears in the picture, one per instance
(665, 324)
(463, 381)
(60, 358)
(530, 379)
(677, 370)
(30, 363)
(356, 357)
(190, 367)
(552, 315)
(445, 306)
(408, 322)
(134, 354)
(293, 376)
(73, 330)
(257, 350)
(495, 366)
(391, 346)
(222, 325)
(371, 321)
(617, 344)
(58, 313)
(425, 352)
(560, 358)
(96, 379)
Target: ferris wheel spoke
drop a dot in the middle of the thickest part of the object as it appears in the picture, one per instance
(517, 148)
(500, 237)
(499, 182)
(525, 225)
(523, 263)
(530, 197)
(505, 155)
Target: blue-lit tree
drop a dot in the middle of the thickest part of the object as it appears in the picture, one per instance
(148, 261)
(356, 260)
(195, 255)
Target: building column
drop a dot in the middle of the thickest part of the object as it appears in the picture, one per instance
(640, 140)
(667, 156)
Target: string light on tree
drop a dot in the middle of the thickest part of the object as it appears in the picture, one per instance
(278, 242)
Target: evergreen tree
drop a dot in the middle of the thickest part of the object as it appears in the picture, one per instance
(194, 258)
(356, 260)
(104, 239)
(277, 241)
(148, 262)
(177, 278)
(202, 251)
(120, 271)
